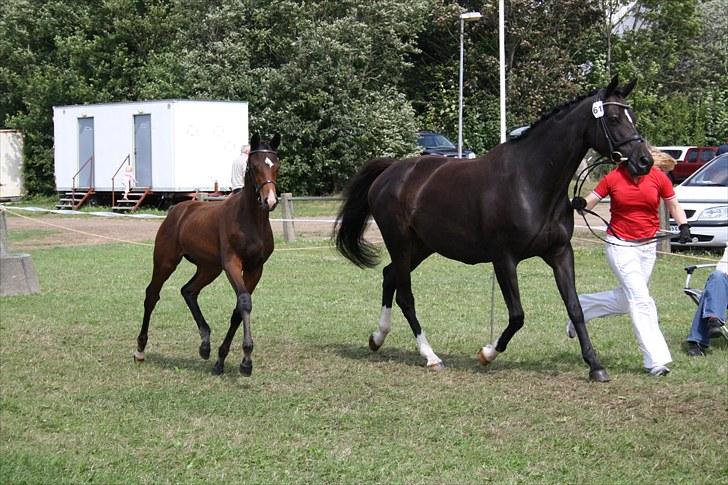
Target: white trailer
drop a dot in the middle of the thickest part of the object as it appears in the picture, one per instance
(173, 145)
(11, 164)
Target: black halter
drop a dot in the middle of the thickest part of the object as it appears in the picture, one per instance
(250, 167)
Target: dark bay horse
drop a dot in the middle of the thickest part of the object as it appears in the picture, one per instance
(234, 236)
(506, 206)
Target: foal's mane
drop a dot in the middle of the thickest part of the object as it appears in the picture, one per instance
(559, 109)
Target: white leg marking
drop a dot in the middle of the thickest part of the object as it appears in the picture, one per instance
(138, 355)
(426, 351)
(489, 351)
(385, 325)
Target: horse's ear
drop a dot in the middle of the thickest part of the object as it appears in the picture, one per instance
(255, 141)
(612, 85)
(629, 87)
(275, 141)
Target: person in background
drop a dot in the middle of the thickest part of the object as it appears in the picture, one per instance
(663, 160)
(723, 148)
(237, 176)
(711, 312)
(129, 180)
(635, 189)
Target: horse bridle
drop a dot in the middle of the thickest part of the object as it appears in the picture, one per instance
(616, 158)
(267, 181)
(599, 114)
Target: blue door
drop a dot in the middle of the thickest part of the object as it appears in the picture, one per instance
(143, 150)
(86, 152)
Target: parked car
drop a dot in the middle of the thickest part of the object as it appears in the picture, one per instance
(433, 143)
(677, 152)
(704, 196)
(689, 159)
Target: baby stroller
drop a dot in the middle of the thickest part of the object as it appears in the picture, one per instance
(695, 294)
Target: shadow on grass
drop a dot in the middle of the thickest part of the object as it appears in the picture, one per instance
(548, 363)
(193, 364)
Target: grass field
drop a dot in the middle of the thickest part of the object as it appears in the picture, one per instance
(320, 407)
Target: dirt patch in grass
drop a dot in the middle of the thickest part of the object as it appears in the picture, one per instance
(38, 232)
(52, 230)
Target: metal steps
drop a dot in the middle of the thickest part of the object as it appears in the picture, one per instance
(133, 201)
(74, 200)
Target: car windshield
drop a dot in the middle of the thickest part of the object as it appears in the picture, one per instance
(434, 140)
(713, 174)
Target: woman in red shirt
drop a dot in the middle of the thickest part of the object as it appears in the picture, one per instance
(635, 195)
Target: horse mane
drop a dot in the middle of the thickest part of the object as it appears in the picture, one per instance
(558, 109)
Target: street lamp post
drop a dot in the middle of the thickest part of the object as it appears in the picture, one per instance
(464, 17)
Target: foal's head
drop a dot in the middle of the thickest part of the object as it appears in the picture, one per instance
(617, 134)
(263, 165)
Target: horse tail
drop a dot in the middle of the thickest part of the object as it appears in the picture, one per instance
(354, 213)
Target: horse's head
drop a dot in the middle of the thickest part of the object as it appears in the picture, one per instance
(263, 165)
(617, 136)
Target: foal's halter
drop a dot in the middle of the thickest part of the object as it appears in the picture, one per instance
(252, 169)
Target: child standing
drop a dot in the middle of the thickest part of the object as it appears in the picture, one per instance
(129, 180)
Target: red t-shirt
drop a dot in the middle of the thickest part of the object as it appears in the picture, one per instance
(634, 206)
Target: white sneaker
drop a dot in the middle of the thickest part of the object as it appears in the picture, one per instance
(570, 330)
(659, 370)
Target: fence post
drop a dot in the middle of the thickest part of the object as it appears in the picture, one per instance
(289, 231)
(17, 273)
(3, 235)
(664, 243)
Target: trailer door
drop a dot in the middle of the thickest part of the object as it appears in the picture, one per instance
(143, 149)
(85, 152)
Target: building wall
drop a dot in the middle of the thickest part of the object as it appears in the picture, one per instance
(193, 142)
(11, 164)
(206, 140)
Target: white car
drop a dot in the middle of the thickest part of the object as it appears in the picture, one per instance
(704, 196)
(676, 152)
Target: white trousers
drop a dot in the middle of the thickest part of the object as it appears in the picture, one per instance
(632, 265)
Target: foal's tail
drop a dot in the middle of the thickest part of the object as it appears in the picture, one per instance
(354, 213)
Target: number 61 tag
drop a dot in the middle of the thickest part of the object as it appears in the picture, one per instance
(598, 109)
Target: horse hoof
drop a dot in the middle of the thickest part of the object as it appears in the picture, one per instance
(599, 375)
(205, 350)
(138, 357)
(246, 368)
(436, 367)
(218, 370)
(481, 358)
(372, 344)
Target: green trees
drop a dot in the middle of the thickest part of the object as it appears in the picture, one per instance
(54, 52)
(677, 50)
(347, 81)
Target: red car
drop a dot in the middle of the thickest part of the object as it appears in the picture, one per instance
(695, 158)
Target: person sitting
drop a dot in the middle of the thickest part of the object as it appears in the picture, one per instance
(711, 312)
